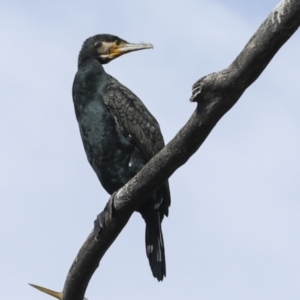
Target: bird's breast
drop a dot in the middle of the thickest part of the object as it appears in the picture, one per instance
(108, 151)
(100, 133)
(113, 157)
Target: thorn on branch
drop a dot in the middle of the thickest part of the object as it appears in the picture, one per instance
(197, 89)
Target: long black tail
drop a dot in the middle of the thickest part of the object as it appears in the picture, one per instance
(156, 250)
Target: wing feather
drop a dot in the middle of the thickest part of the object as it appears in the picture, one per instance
(133, 119)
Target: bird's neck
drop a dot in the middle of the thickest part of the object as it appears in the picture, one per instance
(87, 60)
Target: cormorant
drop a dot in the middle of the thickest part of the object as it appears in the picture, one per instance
(119, 134)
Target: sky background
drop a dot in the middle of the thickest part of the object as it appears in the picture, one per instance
(234, 225)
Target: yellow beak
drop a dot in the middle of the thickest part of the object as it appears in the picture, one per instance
(123, 48)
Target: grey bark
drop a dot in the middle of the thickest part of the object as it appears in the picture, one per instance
(215, 94)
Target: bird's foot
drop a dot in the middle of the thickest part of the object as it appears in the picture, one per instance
(99, 223)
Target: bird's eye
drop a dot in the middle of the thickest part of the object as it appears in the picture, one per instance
(118, 43)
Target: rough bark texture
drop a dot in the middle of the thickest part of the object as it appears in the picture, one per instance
(215, 94)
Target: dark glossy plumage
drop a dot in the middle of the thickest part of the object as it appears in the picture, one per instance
(119, 134)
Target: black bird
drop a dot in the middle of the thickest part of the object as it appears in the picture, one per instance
(119, 134)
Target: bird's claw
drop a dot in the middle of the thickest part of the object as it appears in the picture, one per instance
(99, 223)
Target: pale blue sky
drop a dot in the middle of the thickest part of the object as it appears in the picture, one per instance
(234, 225)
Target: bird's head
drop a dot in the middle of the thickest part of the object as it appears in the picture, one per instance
(106, 47)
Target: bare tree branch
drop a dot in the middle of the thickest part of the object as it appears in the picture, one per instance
(215, 93)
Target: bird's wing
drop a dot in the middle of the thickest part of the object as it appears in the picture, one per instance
(133, 119)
